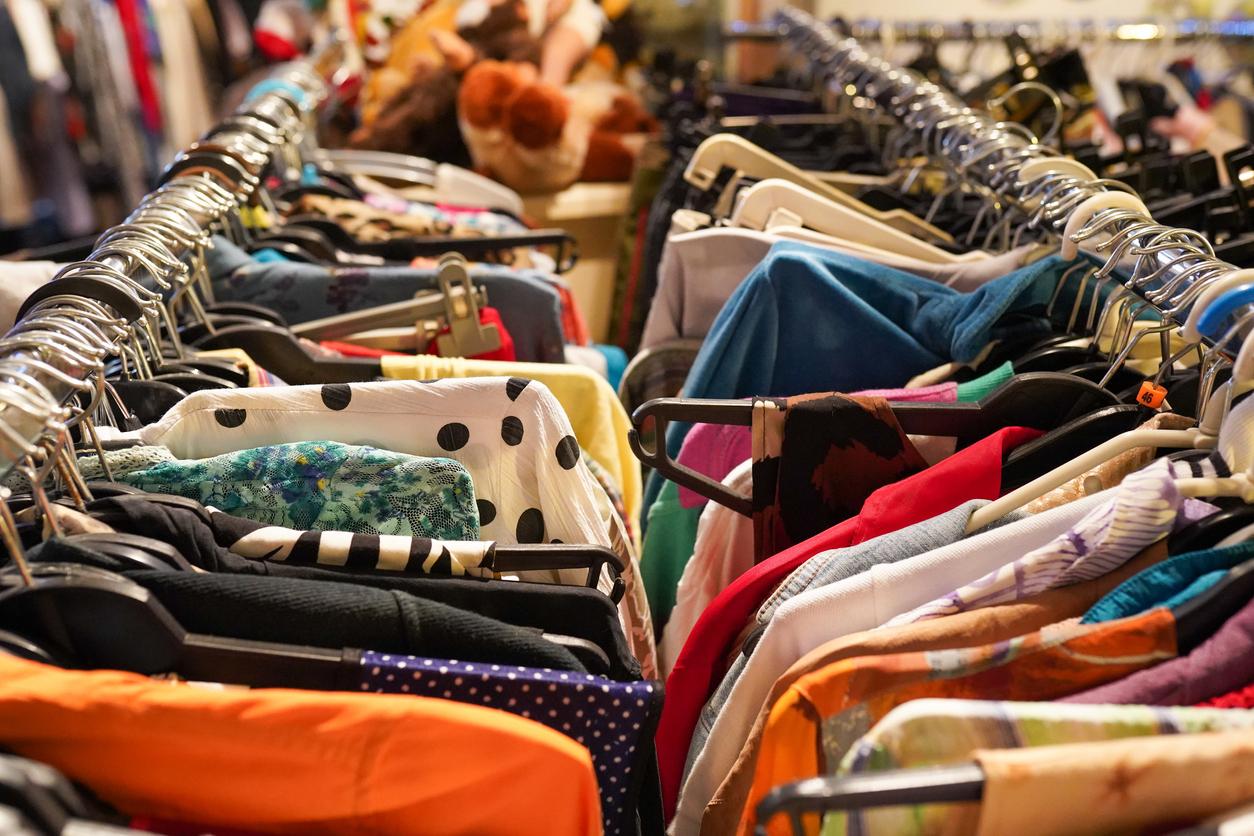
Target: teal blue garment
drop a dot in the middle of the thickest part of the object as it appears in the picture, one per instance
(1169, 584)
(809, 319)
(615, 363)
(668, 543)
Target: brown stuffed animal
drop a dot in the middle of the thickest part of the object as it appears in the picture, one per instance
(535, 137)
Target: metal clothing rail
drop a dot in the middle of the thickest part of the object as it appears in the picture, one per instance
(1024, 179)
(114, 303)
(1190, 29)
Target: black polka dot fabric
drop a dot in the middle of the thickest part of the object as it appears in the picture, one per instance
(512, 430)
(453, 437)
(230, 418)
(337, 396)
(568, 452)
(612, 720)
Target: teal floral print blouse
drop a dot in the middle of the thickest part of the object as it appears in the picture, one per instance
(326, 486)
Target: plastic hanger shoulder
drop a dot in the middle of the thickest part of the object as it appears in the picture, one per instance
(774, 203)
(730, 151)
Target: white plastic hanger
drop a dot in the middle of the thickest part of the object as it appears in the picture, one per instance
(730, 151)
(777, 203)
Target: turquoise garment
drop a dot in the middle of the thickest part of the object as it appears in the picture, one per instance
(874, 327)
(615, 363)
(985, 384)
(327, 486)
(1169, 584)
(668, 543)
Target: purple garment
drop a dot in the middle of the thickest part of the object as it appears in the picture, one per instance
(715, 449)
(1217, 666)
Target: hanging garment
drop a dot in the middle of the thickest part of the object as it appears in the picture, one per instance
(699, 271)
(996, 624)
(816, 458)
(598, 419)
(427, 569)
(822, 715)
(1145, 508)
(1173, 582)
(530, 309)
(324, 486)
(723, 551)
(946, 732)
(218, 541)
(324, 613)
(1220, 664)
(612, 720)
(794, 631)
(275, 760)
(185, 95)
(971, 473)
(895, 324)
(509, 433)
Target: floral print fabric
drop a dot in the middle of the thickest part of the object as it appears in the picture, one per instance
(326, 486)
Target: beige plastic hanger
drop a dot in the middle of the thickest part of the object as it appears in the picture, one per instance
(730, 151)
(1202, 437)
(778, 203)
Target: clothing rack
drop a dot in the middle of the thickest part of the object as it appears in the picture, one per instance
(67, 329)
(1024, 178)
(865, 29)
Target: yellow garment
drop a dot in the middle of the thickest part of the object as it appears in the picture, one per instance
(239, 357)
(599, 420)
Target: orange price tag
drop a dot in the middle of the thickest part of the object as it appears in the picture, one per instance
(1151, 395)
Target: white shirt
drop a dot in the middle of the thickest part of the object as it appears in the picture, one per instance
(723, 552)
(862, 602)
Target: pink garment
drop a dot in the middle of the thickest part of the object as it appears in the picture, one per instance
(714, 449)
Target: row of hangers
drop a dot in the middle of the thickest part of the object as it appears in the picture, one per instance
(110, 339)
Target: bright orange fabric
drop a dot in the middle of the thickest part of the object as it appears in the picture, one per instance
(833, 706)
(285, 761)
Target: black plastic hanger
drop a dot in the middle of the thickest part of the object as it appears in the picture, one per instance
(1200, 617)
(278, 351)
(897, 787)
(148, 400)
(1042, 400)
(1073, 439)
(15, 645)
(246, 309)
(165, 552)
(1209, 532)
(99, 619)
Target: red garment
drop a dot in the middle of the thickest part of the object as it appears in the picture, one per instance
(486, 316)
(971, 473)
(351, 350)
(131, 16)
(1243, 698)
(573, 323)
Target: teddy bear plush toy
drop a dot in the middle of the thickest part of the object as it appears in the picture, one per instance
(484, 77)
(536, 137)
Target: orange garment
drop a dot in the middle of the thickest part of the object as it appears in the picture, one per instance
(822, 714)
(980, 626)
(1115, 786)
(286, 761)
